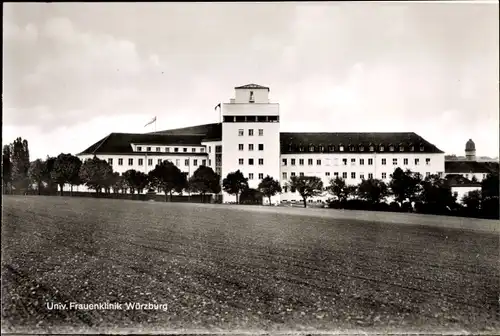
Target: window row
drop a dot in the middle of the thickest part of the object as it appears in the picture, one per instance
(241, 161)
(140, 162)
(251, 119)
(241, 132)
(251, 176)
(310, 162)
(345, 175)
(353, 148)
(250, 147)
(175, 149)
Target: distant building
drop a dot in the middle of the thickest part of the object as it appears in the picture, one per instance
(249, 139)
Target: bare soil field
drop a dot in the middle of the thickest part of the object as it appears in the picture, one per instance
(243, 269)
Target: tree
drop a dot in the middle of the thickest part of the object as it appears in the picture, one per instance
(36, 173)
(307, 186)
(490, 185)
(66, 170)
(135, 180)
(404, 185)
(204, 181)
(437, 195)
(269, 187)
(472, 200)
(167, 177)
(95, 173)
(6, 169)
(20, 159)
(118, 183)
(234, 184)
(340, 189)
(373, 190)
(49, 167)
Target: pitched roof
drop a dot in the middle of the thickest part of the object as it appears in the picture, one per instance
(121, 142)
(252, 86)
(457, 180)
(210, 132)
(292, 142)
(457, 167)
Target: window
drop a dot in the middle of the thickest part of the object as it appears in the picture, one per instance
(240, 147)
(310, 162)
(250, 162)
(110, 161)
(167, 149)
(177, 162)
(416, 162)
(195, 162)
(327, 173)
(159, 161)
(344, 175)
(261, 147)
(362, 176)
(301, 174)
(185, 150)
(311, 148)
(412, 148)
(130, 162)
(148, 149)
(422, 148)
(209, 162)
(292, 174)
(204, 162)
(285, 188)
(370, 162)
(292, 189)
(384, 161)
(318, 162)
(394, 162)
(141, 162)
(139, 148)
(427, 161)
(283, 162)
(210, 149)
(193, 150)
(484, 175)
(336, 162)
(401, 148)
(301, 148)
(202, 149)
(150, 162)
(292, 162)
(321, 148)
(353, 162)
(240, 161)
(336, 174)
(353, 175)
(261, 132)
(344, 162)
(331, 148)
(240, 132)
(370, 176)
(261, 176)
(284, 176)
(176, 149)
(427, 174)
(381, 148)
(405, 161)
(361, 162)
(250, 132)
(341, 148)
(372, 148)
(361, 148)
(301, 162)
(261, 162)
(440, 174)
(391, 148)
(186, 162)
(384, 175)
(250, 176)
(250, 147)
(158, 149)
(351, 148)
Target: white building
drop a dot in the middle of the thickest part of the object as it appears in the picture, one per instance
(249, 139)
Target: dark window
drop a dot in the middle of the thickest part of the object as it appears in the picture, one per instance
(261, 147)
(250, 162)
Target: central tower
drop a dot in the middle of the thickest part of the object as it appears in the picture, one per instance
(251, 136)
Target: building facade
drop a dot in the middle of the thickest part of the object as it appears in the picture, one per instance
(249, 139)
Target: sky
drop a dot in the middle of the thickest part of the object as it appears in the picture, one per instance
(75, 72)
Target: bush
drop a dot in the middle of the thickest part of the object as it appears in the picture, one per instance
(394, 206)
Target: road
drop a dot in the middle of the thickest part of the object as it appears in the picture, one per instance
(237, 268)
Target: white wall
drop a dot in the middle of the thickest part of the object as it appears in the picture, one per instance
(461, 191)
(332, 163)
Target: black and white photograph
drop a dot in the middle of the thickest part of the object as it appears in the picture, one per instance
(258, 168)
